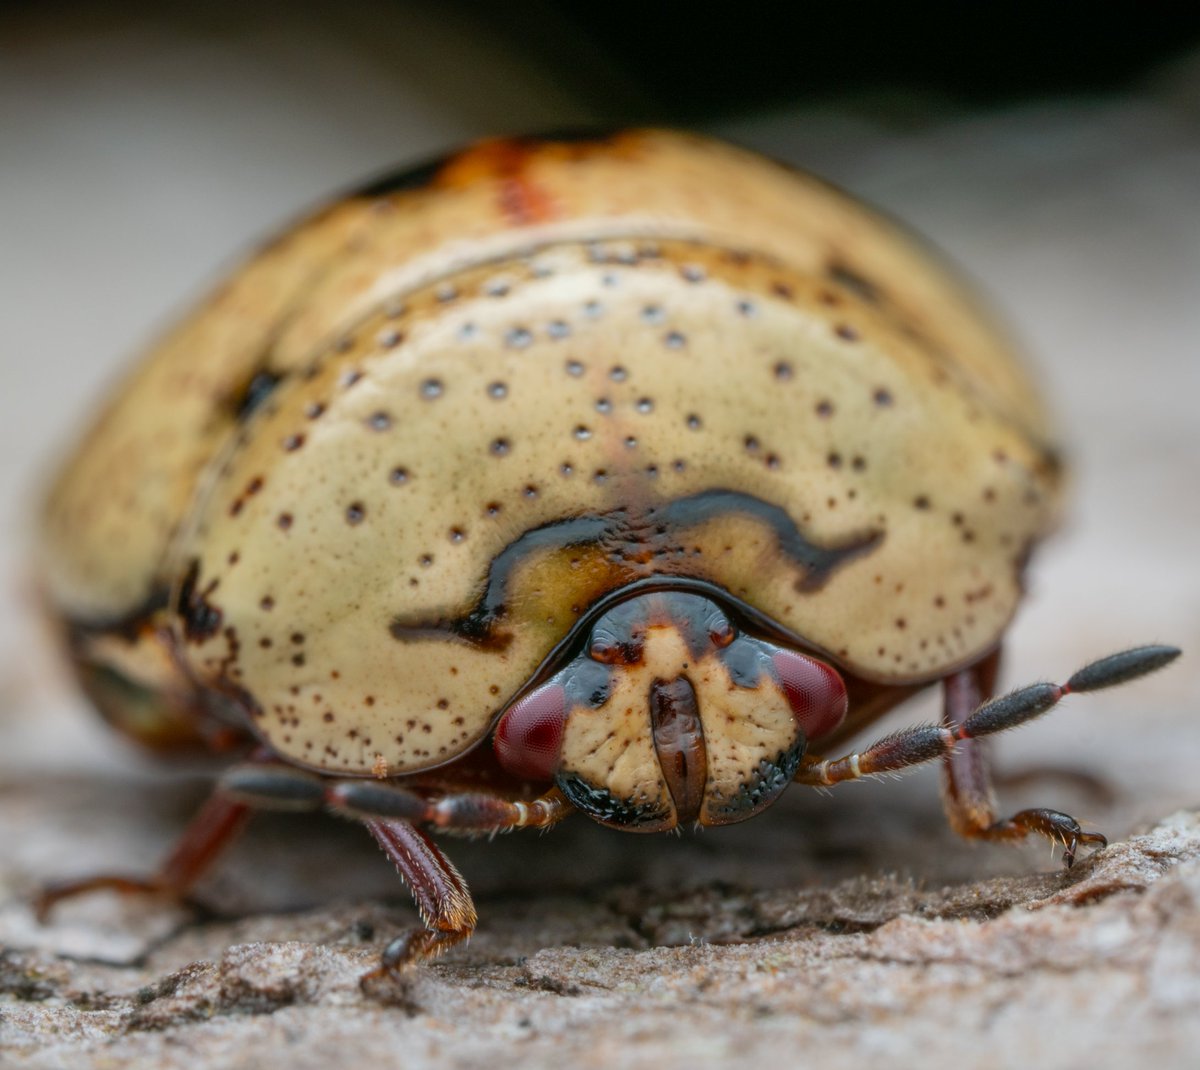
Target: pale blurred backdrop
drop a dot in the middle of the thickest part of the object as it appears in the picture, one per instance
(144, 149)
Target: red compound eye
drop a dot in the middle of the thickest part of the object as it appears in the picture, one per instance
(815, 691)
(528, 738)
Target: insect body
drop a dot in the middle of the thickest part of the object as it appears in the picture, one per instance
(617, 475)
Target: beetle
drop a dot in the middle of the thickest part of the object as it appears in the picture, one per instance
(626, 474)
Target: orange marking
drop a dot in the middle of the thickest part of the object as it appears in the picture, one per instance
(504, 164)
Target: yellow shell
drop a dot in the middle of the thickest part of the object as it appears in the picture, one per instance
(370, 486)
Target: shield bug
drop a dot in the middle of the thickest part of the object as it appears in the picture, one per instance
(623, 474)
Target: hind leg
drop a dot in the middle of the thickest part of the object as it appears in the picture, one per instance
(214, 827)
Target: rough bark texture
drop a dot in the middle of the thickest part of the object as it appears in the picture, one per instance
(1092, 967)
(849, 929)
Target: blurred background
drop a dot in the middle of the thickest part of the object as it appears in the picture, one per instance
(145, 147)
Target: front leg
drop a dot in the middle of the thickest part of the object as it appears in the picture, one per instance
(396, 817)
(438, 890)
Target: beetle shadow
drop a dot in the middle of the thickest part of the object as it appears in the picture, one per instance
(579, 883)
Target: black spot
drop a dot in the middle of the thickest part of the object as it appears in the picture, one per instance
(255, 392)
(201, 619)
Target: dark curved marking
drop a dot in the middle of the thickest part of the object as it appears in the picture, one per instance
(254, 393)
(624, 537)
(478, 627)
(859, 285)
(602, 805)
(818, 562)
(200, 618)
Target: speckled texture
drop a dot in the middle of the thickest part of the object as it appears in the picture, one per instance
(1080, 217)
(347, 467)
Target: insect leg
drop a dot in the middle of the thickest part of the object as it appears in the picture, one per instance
(280, 786)
(391, 813)
(467, 811)
(438, 889)
(924, 743)
(967, 783)
(440, 893)
(967, 794)
(216, 825)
